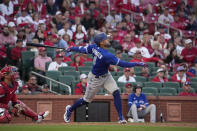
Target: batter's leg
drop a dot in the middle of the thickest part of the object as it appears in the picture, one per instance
(112, 87)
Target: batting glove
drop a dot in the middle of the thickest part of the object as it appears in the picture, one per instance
(141, 64)
(68, 49)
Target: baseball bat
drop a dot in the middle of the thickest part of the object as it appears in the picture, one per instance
(41, 45)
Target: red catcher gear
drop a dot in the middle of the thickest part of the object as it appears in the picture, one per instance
(5, 117)
(10, 70)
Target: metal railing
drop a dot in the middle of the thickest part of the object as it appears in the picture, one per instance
(52, 80)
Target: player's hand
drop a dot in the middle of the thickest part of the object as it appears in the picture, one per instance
(143, 106)
(18, 110)
(141, 64)
(68, 49)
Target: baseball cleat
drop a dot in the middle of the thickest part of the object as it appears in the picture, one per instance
(122, 121)
(67, 114)
(42, 115)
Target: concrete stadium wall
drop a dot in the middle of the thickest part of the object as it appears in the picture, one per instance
(174, 108)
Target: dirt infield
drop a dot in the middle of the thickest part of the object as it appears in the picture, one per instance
(194, 125)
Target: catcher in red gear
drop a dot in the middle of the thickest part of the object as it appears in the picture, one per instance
(8, 100)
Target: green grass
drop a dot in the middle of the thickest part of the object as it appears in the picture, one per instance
(91, 128)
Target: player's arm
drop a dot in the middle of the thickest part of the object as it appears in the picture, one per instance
(83, 49)
(111, 59)
(130, 101)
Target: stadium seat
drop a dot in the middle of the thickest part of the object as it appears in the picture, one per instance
(181, 90)
(140, 79)
(150, 78)
(27, 60)
(47, 65)
(51, 52)
(171, 84)
(150, 64)
(112, 50)
(85, 72)
(194, 85)
(120, 73)
(88, 64)
(149, 94)
(152, 90)
(193, 79)
(168, 90)
(66, 68)
(153, 84)
(138, 70)
(53, 75)
(116, 78)
(165, 94)
(76, 74)
(68, 80)
(88, 68)
(137, 83)
(68, 62)
(120, 84)
(154, 69)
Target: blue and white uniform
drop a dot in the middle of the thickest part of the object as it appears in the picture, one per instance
(99, 76)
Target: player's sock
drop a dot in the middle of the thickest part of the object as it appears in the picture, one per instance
(118, 103)
(77, 104)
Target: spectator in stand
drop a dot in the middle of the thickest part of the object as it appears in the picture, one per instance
(46, 90)
(40, 61)
(16, 52)
(178, 42)
(40, 7)
(165, 68)
(68, 40)
(139, 47)
(51, 7)
(40, 33)
(57, 63)
(128, 89)
(132, 72)
(66, 30)
(80, 88)
(158, 53)
(66, 56)
(6, 38)
(84, 58)
(88, 21)
(145, 72)
(30, 8)
(76, 63)
(189, 53)
(127, 44)
(126, 76)
(166, 18)
(160, 76)
(78, 22)
(113, 18)
(12, 29)
(79, 37)
(32, 85)
(22, 36)
(24, 18)
(49, 39)
(139, 106)
(91, 35)
(187, 90)
(29, 33)
(57, 21)
(186, 67)
(139, 58)
(7, 8)
(180, 76)
(62, 43)
(3, 21)
(172, 59)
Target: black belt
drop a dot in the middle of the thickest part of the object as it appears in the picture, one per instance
(101, 76)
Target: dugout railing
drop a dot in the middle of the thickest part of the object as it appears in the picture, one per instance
(54, 81)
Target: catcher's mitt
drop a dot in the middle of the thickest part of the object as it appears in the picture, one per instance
(17, 110)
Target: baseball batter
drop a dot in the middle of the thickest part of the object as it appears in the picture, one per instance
(8, 99)
(99, 76)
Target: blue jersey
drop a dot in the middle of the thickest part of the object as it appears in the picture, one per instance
(102, 59)
(137, 100)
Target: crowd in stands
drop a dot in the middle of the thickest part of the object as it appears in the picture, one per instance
(162, 32)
